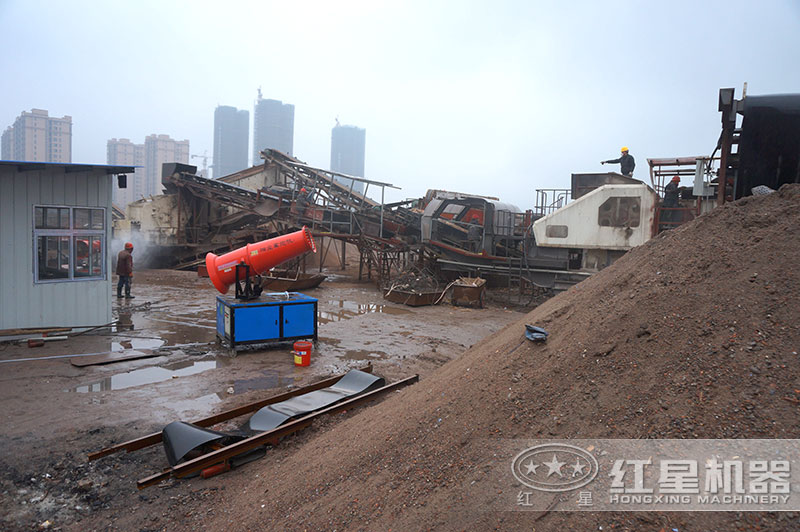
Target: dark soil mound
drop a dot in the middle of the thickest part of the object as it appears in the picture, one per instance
(693, 335)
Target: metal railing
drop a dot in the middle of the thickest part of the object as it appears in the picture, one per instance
(549, 200)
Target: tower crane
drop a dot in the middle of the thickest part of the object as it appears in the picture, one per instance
(205, 158)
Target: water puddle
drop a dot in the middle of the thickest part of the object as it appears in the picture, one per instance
(137, 343)
(344, 310)
(364, 354)
(203, 403)
(172, 328)
(150, 375)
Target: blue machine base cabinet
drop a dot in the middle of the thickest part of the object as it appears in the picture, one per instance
(272, 318)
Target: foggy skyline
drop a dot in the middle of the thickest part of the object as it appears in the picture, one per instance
(495, 99)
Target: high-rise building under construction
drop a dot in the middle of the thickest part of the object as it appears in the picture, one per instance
(273, 127)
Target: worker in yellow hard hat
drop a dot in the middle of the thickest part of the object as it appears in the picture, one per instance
(626, 162)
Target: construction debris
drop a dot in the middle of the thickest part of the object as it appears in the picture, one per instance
(414, 280)
(414, 287)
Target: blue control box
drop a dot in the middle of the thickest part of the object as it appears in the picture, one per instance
(273, 317)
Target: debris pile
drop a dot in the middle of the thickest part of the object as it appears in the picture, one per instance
(693, 335)
(414, 280)
(414, 287)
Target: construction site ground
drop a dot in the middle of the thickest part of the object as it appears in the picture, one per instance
(54, 413)
(693, 335)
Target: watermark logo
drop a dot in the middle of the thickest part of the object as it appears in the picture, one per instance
(650, 475)
(554, 467)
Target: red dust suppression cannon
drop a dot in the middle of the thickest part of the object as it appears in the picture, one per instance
(239, 265)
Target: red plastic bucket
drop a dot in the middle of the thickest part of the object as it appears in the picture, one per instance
(302, 353)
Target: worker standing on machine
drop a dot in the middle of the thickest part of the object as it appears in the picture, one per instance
(626, 162)
(125, 271)
(670, 202)
(474, 235)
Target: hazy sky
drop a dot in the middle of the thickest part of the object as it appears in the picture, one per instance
(495, 98)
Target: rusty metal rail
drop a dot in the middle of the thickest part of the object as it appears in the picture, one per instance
(152, 439)
(270, 436)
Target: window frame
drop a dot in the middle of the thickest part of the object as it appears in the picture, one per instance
(72, 234)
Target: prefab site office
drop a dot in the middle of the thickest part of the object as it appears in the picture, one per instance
(55, 233)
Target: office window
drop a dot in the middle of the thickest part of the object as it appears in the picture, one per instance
(88, 256)
(69, 242)
(53, 257)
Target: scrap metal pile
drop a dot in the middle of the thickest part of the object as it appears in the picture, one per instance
(414, 287)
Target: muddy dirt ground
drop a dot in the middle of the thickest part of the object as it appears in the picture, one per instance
(55, 413)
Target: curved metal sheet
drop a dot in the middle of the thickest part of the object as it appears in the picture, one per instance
(354, 383)
(180, 438)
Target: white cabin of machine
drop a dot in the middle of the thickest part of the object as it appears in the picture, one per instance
(602, 224)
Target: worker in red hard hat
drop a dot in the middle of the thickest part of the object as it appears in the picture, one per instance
(671, 192)
(125, 271)
(305, 198)
(670, 202)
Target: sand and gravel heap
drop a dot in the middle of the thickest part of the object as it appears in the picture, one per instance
(693, 335)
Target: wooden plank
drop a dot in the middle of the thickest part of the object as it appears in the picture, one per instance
(111, 357)
(154, 438)
(215, 457)
(16, 332)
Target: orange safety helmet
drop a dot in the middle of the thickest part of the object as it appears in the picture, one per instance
(128, 245)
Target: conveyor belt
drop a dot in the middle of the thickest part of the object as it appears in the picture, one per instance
(354, 383)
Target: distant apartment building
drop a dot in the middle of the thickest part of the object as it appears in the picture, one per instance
(145, 181)
(35, 136)
(160, 149)
(348, 145)
(231, 139)
(273, 127)
(123, 152)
